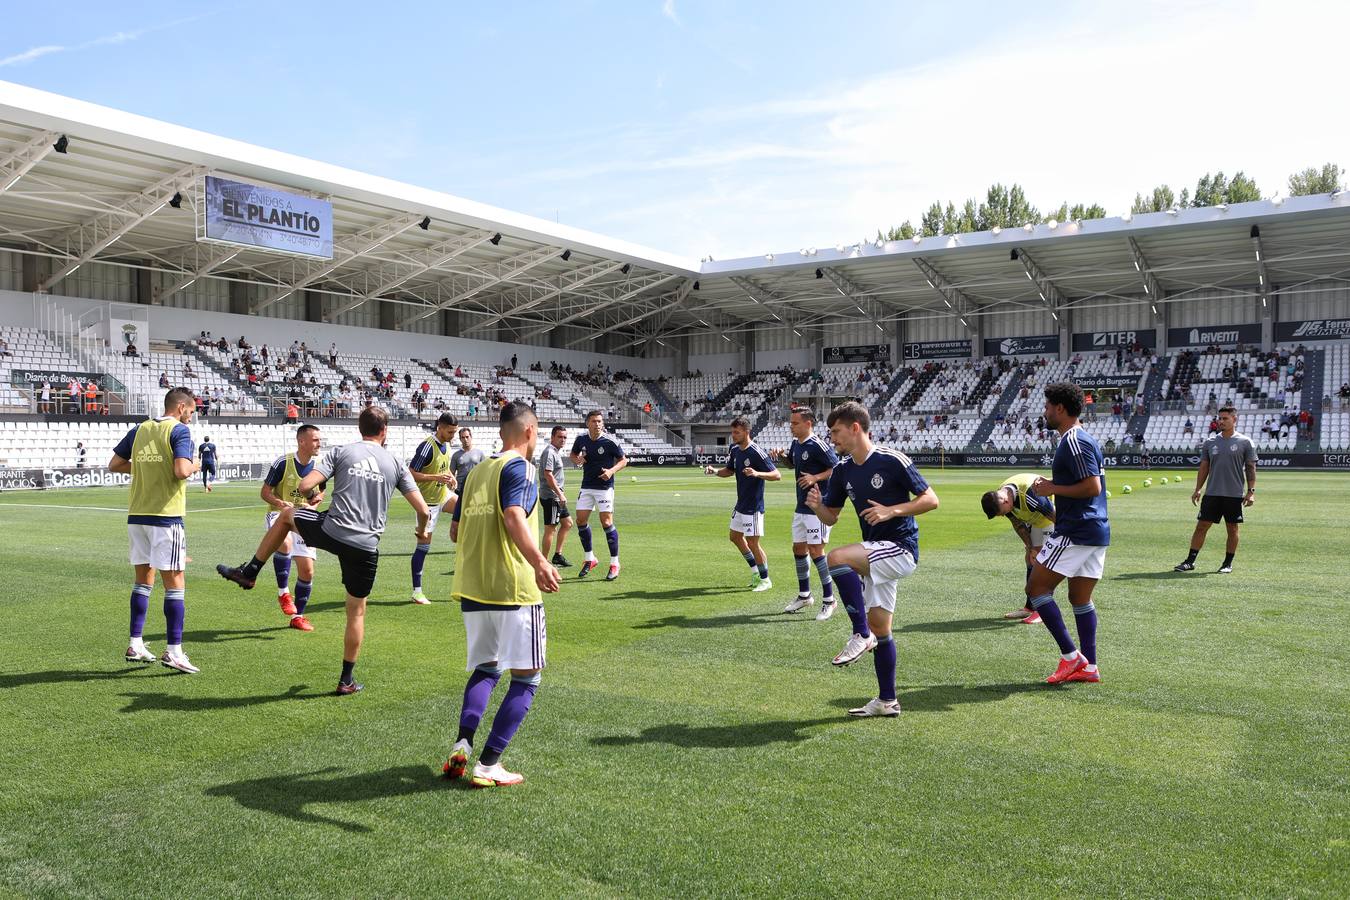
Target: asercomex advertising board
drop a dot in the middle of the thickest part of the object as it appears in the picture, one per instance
(1086, 341)
(1313, 330)
(1020, 346)
(938, 350)
(252, 216)
(1216, 335)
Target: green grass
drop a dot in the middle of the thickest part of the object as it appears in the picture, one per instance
(688, 740)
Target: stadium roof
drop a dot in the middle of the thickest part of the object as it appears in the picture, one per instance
(105, 200)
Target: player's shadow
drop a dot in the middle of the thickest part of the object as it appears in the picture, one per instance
(220, 636)
(342, 604)
(291, 796)
(674, 594)
(957, 626)
(722, 737)
(144, 701)
(384, 555)
(66, 676)
(1159, 576)
(946, 697)
(768, 618)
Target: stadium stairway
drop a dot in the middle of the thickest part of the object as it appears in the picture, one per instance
(1004, 403)
(668, 404)
(921, 382)
(1138, 423)
(1314, 370)
(896, 381)
(724, 396)
(190, 349)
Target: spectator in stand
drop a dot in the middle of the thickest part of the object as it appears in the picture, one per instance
(426, 388)
(91, 397)
(187, 370)
(45, 398)
(292, 412)
(1189, 427)
(131, 349)
(513, 362)
(407, 381)
(81, 454)
(4, 348)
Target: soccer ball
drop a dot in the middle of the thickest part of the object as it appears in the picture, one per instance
(1126, 489)
(1148, 482)
(1108, 495)
(635, 478)
(1164, 481)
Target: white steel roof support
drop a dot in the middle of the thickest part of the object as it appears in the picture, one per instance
(664, 305)
(95, 235)
(219, 257)
(1051, 295)
(18, 163)
(952, 297)
(860, 298)
(582, 277)
(397, 274)
(621, 298)
(1262, 278)
(509, 268)
(1151, 286)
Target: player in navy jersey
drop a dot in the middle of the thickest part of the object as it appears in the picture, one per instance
(751, 466)
(600, 459)
(1076, 549)
(207, 452)
(812, 462)
(887, 492)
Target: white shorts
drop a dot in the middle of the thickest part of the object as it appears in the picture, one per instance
(298, 545)
(748, 524)
(601, 501)
(1064, 557)
(161, 547)
(512, 638)
(433, 516)
(888, 563)
(808, 529)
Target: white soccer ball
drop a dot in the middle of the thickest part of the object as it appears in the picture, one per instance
(635, 478)
(1148, 482)
(1126, 489)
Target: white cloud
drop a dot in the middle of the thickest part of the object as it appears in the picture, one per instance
(668, 10)
(31, 54)
(116, 37)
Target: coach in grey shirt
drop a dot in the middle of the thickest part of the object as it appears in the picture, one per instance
(552, 500)
(1227, 459)
(466, 457)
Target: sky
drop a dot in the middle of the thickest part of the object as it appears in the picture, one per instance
(727, 129)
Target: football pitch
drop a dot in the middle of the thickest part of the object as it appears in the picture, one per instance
(688, 738)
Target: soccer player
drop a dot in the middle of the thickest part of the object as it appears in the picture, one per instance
(281, 491)
(812, 462)
(557, 520)
(1225, 457)
(1076, 549)
(364, 476)
(752, 467)
(430, 468)
(466, 457)
(157, 454)
(500, 578)
(887, 492)
(207, 452)
(600, 459)
(1031, 517)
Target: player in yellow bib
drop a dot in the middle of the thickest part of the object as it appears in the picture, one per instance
(430, 468)
(158, 454)
(281, 491)
(1031, 516)
(500, 579)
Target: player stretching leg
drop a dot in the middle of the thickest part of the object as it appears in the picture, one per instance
(430, 468)
(1224, 459)
(1031, 517)
(600, 459)
(1076, 549)
(364, 476)
(281, 491)
(557, 520)
(158, 455)
(887, 492)
(752, 467)
(812, 461)
(500, 579)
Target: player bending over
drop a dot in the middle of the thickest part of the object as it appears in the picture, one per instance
(1031, 517)
(812, 462)
(1076, 549)
(887, 492)
(500, 579)
(281, 491)
(752, 467)
(430, 468)
(158, 455)
(364, 476)
(1224, 459)
(600, 459)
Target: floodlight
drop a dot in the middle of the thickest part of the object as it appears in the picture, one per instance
(996, 231)
(566, 255)
(626, 268)
(820, 273)
(176, 201)
(61, 144)
(1052, 224)
(696, 287)
(495, 239)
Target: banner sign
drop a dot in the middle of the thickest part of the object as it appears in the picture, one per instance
(1313, 330)
(253, 216)
(1110, 340)
(1108, 381)
(101, 476)
(1017, 346)
(938, 350)
(59, 378)
(1220, 335)
(660, 459)
(858, 353)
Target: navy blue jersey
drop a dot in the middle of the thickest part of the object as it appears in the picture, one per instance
(516, 488)
(277, 471)
(1081, 521)
(749, 490)
(888, 477)
(810, 457)
(601, 453)
(208, 453)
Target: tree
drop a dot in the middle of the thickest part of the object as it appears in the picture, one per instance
(1081, 212)
(1185, 199)
(1005, 208)
(970, 217)
(950, 223)
(1160, 200)
(1316, 181)
(1210, 190)
(902, 232)
(930, 223)
(1059, 215)
(1243, 189)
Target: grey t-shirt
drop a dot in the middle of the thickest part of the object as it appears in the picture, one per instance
(550, 460)
(1228, 458)
(364, 476)
(463, 461)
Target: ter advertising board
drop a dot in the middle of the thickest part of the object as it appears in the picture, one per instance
(253, 216)
(1087, 341)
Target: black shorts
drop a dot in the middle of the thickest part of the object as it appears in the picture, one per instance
(358, 565)
(554, 510)
(1212, 509)
(209, 467)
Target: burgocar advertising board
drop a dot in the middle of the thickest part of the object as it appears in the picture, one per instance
(1313, 330)
(1019, 346)
(253, 216)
